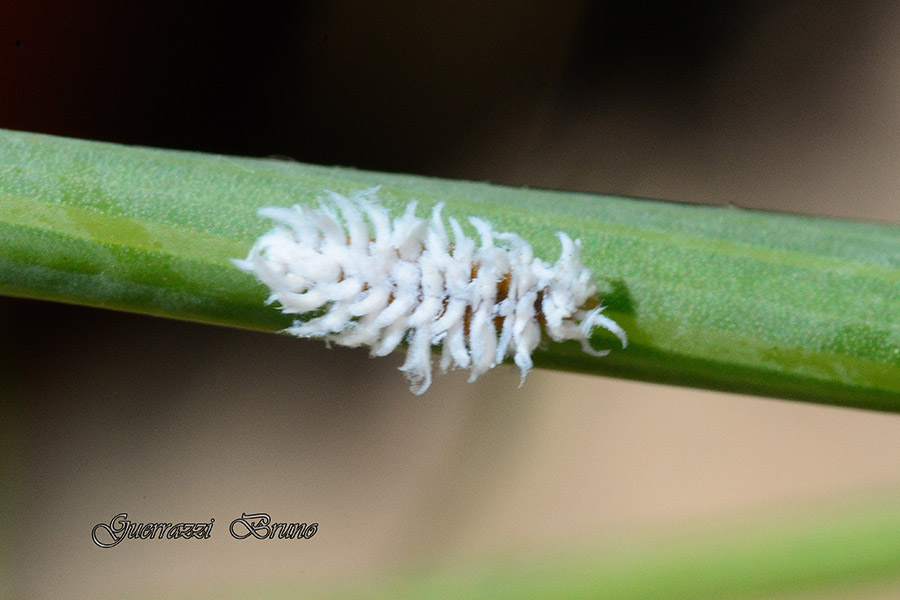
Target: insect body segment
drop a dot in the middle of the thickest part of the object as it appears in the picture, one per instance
(376, 282)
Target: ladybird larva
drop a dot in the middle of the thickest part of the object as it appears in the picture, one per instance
(376, 282)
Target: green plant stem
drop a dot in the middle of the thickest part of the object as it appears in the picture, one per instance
(819, 551)
(839, 551)
(711, 297)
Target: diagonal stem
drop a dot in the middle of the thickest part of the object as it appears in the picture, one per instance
(712, 297)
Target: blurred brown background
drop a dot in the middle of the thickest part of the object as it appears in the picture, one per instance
(784, 106)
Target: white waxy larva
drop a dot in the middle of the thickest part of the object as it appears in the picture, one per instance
(376, 282)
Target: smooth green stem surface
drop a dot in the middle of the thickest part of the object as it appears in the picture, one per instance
(711, 297)
(841, 551)
(775, 559)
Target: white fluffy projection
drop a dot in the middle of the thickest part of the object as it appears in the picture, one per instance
(361, 278)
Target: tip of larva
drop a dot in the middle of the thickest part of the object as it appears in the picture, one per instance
(242, 264)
